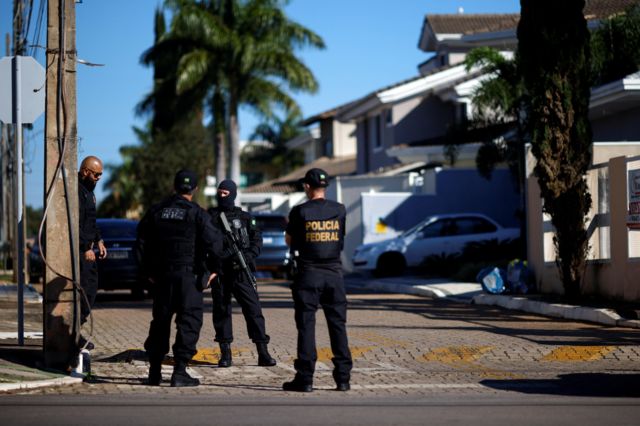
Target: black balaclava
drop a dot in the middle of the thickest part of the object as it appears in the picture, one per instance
(227, 203)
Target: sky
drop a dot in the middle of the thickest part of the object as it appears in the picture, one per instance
(370, 44)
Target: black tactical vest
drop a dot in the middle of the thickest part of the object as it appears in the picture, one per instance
(176, 233)
(321, 236)
(238, 221)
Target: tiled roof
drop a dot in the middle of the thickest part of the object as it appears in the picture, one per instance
(339, 166)
(482, 23)
(603, 9)
(326, 114)
(472, 23)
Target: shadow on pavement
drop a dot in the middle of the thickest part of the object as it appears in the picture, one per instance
(575, 384)
(29, 355)
(530, 327)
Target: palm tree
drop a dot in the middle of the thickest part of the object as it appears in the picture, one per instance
(241, 52)
(125, 198)
(274, 159)
(498, 101)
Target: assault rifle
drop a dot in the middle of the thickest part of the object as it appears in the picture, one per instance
(235, 248)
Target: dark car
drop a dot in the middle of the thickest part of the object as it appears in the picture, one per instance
(120, 268)
(35, 264)
(275, 257)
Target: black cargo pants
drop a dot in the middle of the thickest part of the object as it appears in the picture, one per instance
(234, 283)
(325, 287)
(175, 293)
(89, 284)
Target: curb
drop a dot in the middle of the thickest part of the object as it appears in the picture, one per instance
(571, 312)
(405, 289)
(557, 310)
(58, 381)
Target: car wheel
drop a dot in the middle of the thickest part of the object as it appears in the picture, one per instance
(390, 265)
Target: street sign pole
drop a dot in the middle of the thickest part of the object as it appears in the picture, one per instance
(17, 119)
(24, 78)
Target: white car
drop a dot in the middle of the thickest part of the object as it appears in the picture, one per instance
(443, 234)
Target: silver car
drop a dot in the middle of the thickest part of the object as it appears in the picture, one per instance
(444, 234)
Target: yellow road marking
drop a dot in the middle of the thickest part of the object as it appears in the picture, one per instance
(325, 354)
(453, 355)
(465, 357)
(212, 356)
(376, 338)
(578, 353)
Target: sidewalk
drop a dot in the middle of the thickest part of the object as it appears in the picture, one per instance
(472, 293)
(21, 366)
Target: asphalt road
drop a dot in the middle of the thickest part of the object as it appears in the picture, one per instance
(348, 410)
(416, 361)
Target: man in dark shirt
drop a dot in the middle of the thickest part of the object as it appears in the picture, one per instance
(179, 250)
(316, 232)
(89, 238)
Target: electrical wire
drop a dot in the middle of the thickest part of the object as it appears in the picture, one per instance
(38, 27)
(26, 32)
(60, 170)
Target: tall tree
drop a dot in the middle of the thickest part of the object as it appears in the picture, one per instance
(175, 138)
(125, 197)
(273, 159)
(615, 47)
(244, 53)
(553, 55)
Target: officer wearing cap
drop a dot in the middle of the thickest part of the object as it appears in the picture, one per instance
(177, 246)
(234, 281)
(315, 233)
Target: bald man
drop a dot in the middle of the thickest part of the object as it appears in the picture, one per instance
(90, 239)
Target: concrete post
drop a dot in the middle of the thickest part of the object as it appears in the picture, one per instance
(618, 213)
(61, 308)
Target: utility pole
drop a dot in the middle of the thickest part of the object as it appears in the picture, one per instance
(61, 303)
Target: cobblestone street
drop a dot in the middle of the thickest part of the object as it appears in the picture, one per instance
(402, 346)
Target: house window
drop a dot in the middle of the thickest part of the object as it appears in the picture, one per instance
(388, 118)
(327, 148)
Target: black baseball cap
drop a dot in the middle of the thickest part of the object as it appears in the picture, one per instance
(185, 181)
(316, 178)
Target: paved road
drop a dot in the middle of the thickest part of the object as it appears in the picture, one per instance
(415, 359)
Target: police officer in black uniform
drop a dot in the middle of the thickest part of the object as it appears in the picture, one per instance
(315, 233)
(234, 281)
(176, 241)
(89, 238)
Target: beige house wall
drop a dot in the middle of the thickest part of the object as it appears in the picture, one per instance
(613, 267)
(344, 139)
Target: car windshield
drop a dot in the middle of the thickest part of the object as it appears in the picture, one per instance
(113, 230)
(271, 223)
(418, 226)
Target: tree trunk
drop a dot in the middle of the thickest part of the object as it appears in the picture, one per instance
(234, 133)
(219, 136)
(554, 60)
